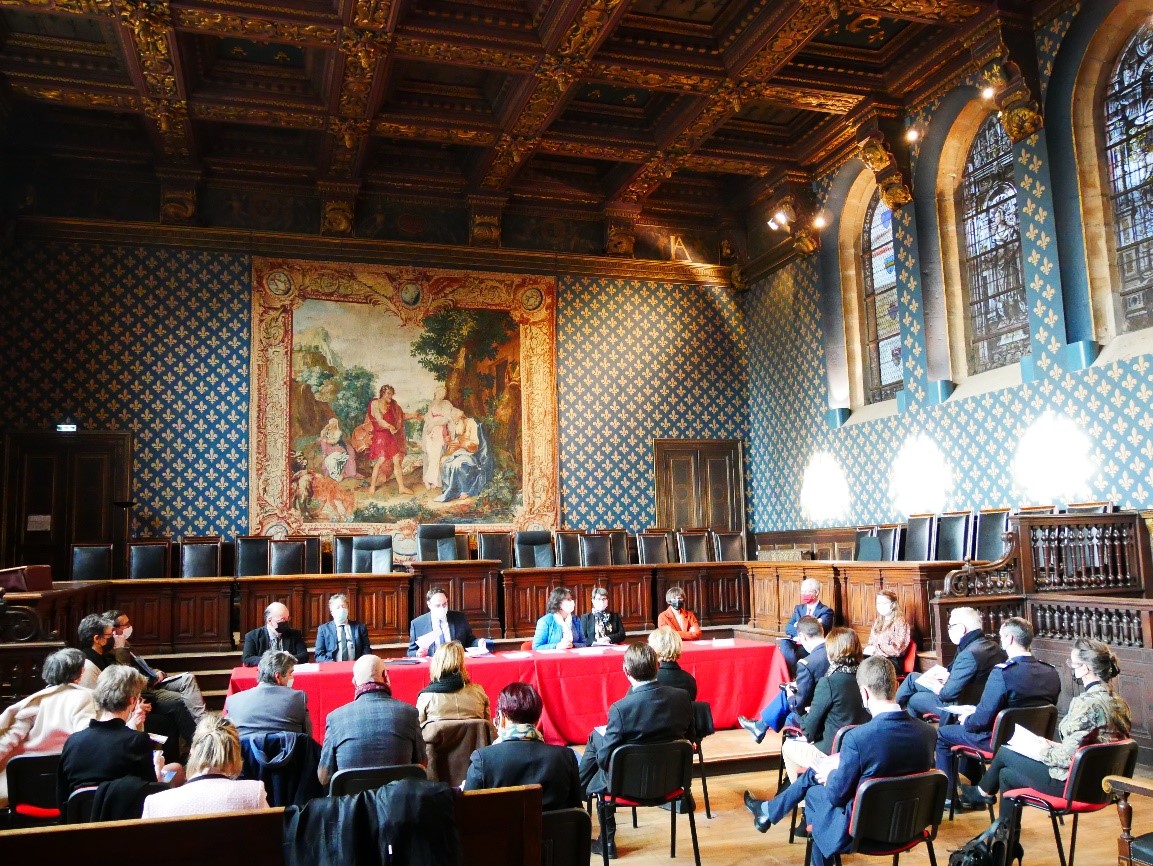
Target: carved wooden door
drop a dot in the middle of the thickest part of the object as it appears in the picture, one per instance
(700, 483)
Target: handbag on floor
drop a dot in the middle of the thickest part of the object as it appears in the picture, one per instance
(990, 847)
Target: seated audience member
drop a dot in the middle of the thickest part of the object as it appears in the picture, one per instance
(273, 704)
(892, 744)
(558, 628)
(1022, 681)
(966, 675)
(678, 617)
(176, 695)
(649, 713)
(836, 703)
(600, 625)
(666, 643)
(796, 696)
(40, 723)
(95, 635)
(375, 730)
(889, 635)
(439, 626)
(214, 762)
(108, 749)
(790, 645)
(342, 639)
(275, 634)
(520, 756)
(1097, 715)
(450, 694)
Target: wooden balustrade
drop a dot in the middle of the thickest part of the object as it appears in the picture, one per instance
(994, 610)
(1119, 622)
(1083, 552)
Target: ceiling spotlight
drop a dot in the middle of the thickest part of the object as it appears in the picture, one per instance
(781, 217)
(773, 224)
(988, 92)
(912, 134)
(819, 221)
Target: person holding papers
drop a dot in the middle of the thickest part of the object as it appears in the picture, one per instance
(342, 639)
(964, 680)
(1097, 715)
(440, 626)
(558, 628)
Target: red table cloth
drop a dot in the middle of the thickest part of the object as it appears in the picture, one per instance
(736, 677)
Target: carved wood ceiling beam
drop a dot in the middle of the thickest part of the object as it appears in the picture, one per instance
(57, 93)
(923, 11)
(286, 117)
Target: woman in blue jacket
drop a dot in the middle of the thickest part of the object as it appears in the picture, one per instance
(559, 628)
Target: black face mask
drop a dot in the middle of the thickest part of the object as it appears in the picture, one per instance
(677, 604)
(283, 628)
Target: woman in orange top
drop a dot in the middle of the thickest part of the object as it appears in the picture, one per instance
(678, 617)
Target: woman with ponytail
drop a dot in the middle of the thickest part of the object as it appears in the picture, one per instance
(1097, 715)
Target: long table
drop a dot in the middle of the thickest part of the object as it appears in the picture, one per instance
(736, 678)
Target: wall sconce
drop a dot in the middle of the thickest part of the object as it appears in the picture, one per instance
(794, 214)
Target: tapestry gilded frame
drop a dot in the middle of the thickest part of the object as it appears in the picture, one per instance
(280, 286)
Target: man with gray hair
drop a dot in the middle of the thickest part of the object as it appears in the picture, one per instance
(273, 705)
(342, 639)
(964, 679)
(275, 634)
(811, 605)
(375, 730)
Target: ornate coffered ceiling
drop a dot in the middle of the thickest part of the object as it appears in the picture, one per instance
(677, 110)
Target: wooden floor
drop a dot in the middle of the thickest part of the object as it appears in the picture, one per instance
(729, 839)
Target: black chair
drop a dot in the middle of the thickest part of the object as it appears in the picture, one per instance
(989, 531)
(78, 809)
(200, 556)
(362, 554)
(436, 542)
(91, 562)
(671, 537)
(652, 548)
(693, 546)
(894, 815)
(954, 543)
(729, 547)
(892, 538)
(704, 726)
(1083, 789)
(534, 549)
(868, 549)
(495, 545)
(149, 559)
(311, 551)
(32, 790)
(793, 731)
(596, 550)
(252, 555)
(357, 779)
(651, 774)
(286, 557)
(462, 551)
(919, 535)
(566, 837)
(619, 538)
(1037, 510)
(568, 548)
(1041, 720)
(1089, 508)
(861, 534)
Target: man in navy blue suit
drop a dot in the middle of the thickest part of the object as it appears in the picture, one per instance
(1022, 681)
(790, 645)
(440, 625)
(798, 695)
(342, 639)
(892, 744)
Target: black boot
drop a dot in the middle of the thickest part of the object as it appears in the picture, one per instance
(608, 837)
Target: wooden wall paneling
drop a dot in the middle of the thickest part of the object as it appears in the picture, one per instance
(20, 666)
(717, 592)
(473, 588)
(383, 605)
(61, 608)
(629, 588)
(857, 595)
(764, 595)
(190, 614)
(525, 596)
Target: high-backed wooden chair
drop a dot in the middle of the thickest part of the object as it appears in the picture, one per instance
(200, 556)
(652, 548)
(534, 549)
(311, 551)
(362, 554)
(252, 555)
(1103, 507)
(568, 546)
(595, 550)
(954, 541)
(989, 532)
(693, 546)
(620, 544)
(91, 562)
(286, 556)
(892, 538)
(149, 559)
(729, 547)
(436, 542)
(671, 538)
(919, 534)
(495, 545)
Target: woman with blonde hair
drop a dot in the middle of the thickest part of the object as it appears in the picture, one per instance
(214, 762)
(890, 634)
(666, 643)
(450, 694)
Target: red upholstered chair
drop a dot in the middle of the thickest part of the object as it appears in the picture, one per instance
(1041, 720)
(32, 790)
(1083, 790)
(908, 660)
(894, 815)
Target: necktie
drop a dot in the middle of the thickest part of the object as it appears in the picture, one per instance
(444, 636)
(345, 644)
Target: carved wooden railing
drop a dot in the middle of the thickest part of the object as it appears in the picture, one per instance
(1083, 553)
(994, 610)
(986, 578)
(24, 644)
(1119, 622)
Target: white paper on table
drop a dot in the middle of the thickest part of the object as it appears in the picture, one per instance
(1025, 742)
(934, 678)
(590, 650)
(310, 668)
(424, 641)
(552, 650)
(517, 654)
(479, 650)
(724, 641)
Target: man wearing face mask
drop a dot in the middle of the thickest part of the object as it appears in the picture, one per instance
(790, 645)
(273, 705)
(439, 626)
(342, 640)
(275, 634)
(95, 634)
(678, 617)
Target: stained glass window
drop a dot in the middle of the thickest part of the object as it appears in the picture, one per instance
(998, 309)
(1129, 150)
(883, 330)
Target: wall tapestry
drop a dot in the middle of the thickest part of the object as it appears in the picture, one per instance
(385, 397)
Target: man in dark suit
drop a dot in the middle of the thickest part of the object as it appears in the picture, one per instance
(1022, 681)
(439, 626)
(273, 705)
(892, 744)
(967, 674)
(341, 640)
(649, 713)
(797, 695)
(275, 634)
(375, 730)
(790, 645)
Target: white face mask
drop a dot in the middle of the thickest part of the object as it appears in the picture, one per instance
(884, 609)
(288, 682)
(568, 605)
(340, 615)
(439, 614)
(121, 640)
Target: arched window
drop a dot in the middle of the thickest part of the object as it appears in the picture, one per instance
(1129, 151)
(882, 326)
(998, 311)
